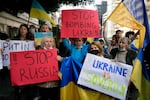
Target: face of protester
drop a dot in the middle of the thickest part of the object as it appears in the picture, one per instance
(123, 45)
(130, 36)
(94, 47)
(114, 41)
(78, 42)
(45, 28)
(48, 43)
(23, 31)
(119, 34)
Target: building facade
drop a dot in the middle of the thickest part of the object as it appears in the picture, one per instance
(9, 24)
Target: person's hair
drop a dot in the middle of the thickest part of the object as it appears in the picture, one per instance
(48, 24)
(101, 40)
(32, 26)
(75, 39)
(116, 38)
(28, 33)
(117, 31)
(128, 33)
(96, 43)
(43, 40)
(125, 40)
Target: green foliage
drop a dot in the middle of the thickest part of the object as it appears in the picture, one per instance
(14, 6)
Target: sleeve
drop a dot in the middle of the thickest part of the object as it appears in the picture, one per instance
(67, 44)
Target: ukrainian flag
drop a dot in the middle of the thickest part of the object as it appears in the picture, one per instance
(135, 44)
(123, 17)
(141, 72)
(37, 11)
(70, 90)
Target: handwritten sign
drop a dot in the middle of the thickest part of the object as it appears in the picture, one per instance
(13, 46)
(80, 23)
(1, 63)
(101, 74)
(39, 35)
(30, 67)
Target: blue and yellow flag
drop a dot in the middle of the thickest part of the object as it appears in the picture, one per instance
(123, 17)
(37, 11)
(70, 90)
(141, 74)
(135, 44)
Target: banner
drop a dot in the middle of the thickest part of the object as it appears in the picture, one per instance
(13, 46)
(39, 35)
(101, 74)
(123, 17)
(30, 67)
(80, 23)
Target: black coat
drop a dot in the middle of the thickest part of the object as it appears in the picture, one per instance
(131, 55)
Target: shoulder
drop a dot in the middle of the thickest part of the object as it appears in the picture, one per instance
(114, 50)
(131, 51)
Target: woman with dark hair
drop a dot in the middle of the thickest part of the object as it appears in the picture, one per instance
(23, 33)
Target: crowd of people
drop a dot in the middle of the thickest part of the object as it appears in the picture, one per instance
(118, 49)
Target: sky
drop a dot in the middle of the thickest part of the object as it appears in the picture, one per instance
(91, 6)
(99, 1)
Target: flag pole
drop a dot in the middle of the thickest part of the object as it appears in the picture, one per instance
(29, 13)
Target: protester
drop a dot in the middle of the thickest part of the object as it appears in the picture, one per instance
(48, 90)
(104, 48)
(119, 34)
(32, 30)
(97, 49)
(24, 35)
(3, 36)
(113, 44)
(45, 27)
(130, 35)
(78, 50)
(125, 55)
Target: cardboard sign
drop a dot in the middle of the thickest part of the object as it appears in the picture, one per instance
(13, 46)
(80, 23)
(30, 67)
(39, 35)
(101, 74)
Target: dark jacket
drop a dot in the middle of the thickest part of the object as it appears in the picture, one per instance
(131, 55)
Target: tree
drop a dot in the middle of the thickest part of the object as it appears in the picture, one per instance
(14, 6)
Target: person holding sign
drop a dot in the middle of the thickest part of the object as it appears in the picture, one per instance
(126, 55)
(23, 34)
(97, 49)
(78, 50)
(48, 90)
(46, 27)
